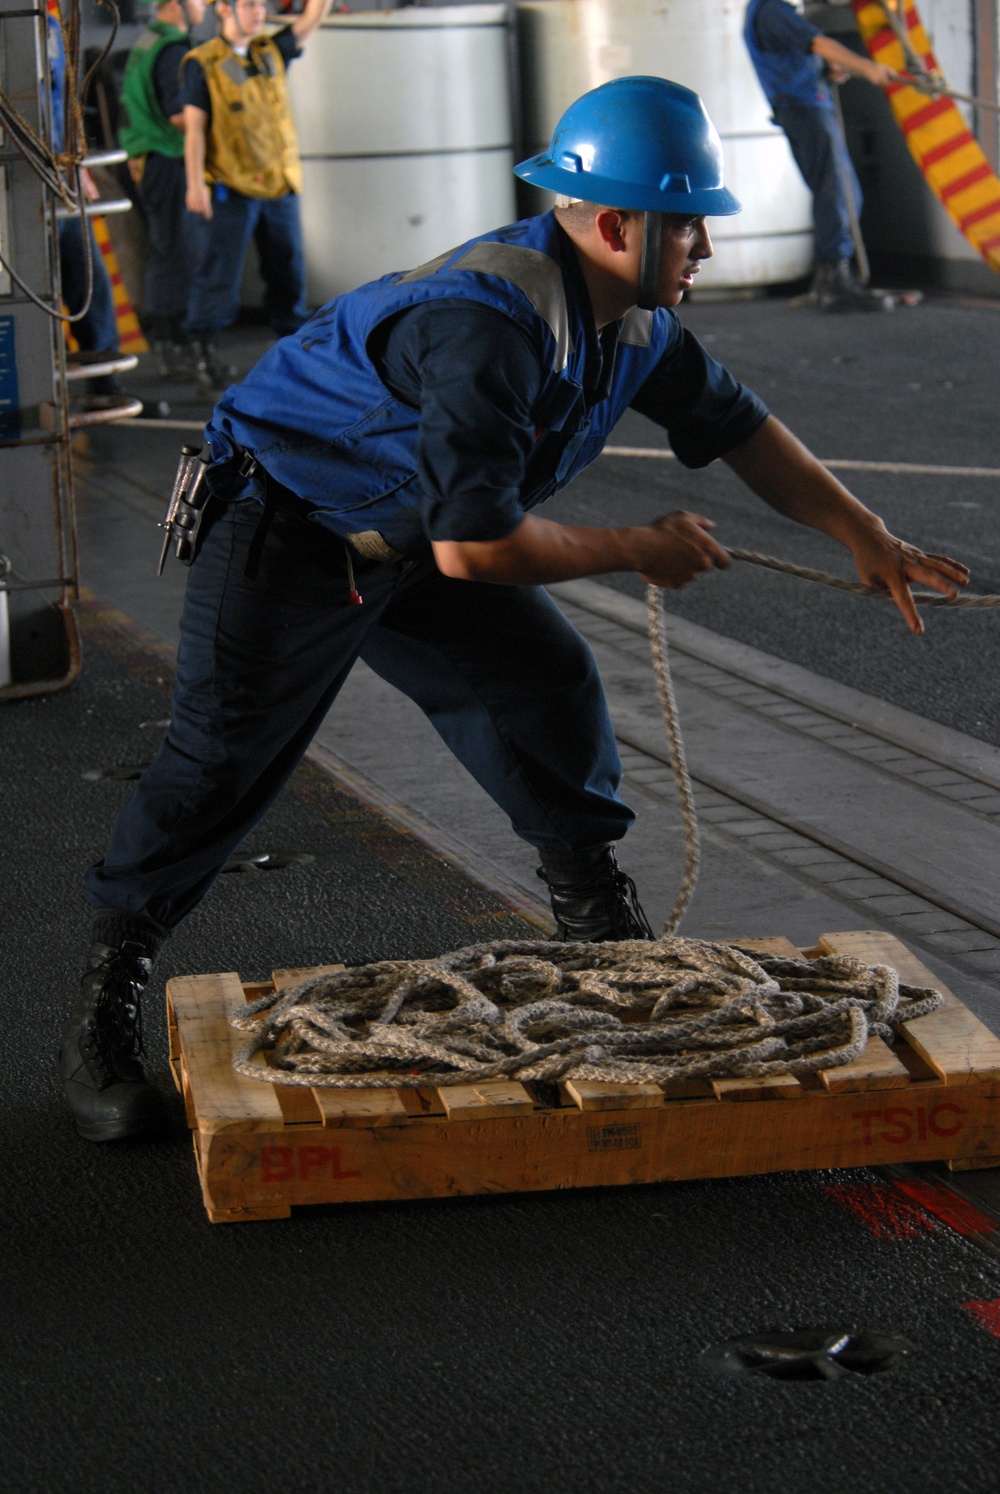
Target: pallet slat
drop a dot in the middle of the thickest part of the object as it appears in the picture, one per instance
(776, 1087)
(958, 1047)
(592, 1094)
(493, 1097)
(202, 1005)
(363, 1107)
(876, 1068)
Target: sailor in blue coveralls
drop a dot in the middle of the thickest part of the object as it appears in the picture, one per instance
(398, 447)
(792, 60)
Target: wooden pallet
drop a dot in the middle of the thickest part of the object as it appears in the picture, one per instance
(262, 1148)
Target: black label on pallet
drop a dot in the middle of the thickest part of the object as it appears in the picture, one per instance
(613, 1138)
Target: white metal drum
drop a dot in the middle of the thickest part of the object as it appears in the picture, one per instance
(569, 46)
(404, 122)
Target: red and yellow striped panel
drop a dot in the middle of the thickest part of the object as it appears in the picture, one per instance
(940, 141)
(129, 332)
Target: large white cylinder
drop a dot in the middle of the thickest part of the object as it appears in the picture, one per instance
(404, 123)
(570, 46)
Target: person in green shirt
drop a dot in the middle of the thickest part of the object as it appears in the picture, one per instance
(153, 135)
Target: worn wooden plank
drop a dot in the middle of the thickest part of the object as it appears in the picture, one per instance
(776, 945)
(972, 1164)
(292, 976)
(220, 1098)
(956, 1044)
(876, 1068)
(592, 1094)
(492, 1097)
(686, 1089)
(422, 1102)
(771, 1087)
(246, 1216)
(359, 1107)
(173, 1041)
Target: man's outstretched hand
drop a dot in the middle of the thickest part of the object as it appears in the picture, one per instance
(890, 563)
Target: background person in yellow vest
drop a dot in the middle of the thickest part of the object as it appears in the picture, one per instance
(243, 172)
(153, 135)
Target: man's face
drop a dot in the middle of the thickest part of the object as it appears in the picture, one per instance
(685, 243)
(195, 12)
(246, 19)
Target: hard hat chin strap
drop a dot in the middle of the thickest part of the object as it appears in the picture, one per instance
(649, 265)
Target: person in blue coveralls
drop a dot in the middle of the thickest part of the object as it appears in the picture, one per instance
(793, 61)
(377, 479)
(96, 329)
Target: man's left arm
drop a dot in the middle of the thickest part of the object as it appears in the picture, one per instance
(778, 468)
(313, 14)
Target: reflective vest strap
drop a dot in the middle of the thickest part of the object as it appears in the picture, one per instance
(535, 274)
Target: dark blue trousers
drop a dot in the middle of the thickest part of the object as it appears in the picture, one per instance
(509, 685)
(821, 155)
(274, 225)
(97, 332)
(174, 243)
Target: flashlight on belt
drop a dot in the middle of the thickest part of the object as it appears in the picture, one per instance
(186, 509)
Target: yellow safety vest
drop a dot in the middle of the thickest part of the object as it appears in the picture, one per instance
(251, 145)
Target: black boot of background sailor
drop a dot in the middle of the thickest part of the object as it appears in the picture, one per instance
(836, 287)
(592, 898)
(99, 1058)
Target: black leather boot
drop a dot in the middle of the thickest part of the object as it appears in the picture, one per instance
(836, 287)
(212, 375)
(99, 1059)
(591, 897)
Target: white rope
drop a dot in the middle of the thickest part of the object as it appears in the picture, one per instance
(678, 760)
(877, 593)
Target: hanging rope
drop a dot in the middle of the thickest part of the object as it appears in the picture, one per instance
(628, 1012)
(678, 759)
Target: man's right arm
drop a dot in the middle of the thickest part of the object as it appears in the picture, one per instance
(842, 59)
(670, 552)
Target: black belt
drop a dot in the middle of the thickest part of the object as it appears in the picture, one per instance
(250, 467)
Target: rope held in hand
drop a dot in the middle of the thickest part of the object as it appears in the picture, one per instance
(668, 703)
(877, 593)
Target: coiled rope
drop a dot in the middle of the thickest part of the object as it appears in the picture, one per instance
(628, 1011)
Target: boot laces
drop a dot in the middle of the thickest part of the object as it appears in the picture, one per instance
(617, 893)
(625, 910)
(115, 1035)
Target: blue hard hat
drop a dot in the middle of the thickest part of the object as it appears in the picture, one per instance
(640, 143)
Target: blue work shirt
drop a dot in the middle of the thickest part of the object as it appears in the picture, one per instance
(779, 41)
(444, 404)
